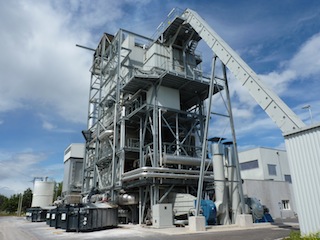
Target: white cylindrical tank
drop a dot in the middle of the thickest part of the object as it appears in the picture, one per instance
(42, 193)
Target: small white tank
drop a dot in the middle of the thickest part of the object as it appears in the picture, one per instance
(42, 194)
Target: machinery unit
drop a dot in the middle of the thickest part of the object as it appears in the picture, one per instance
(162, 215)
(72, 180)
(147, 130)
(260, 213)
(183, 206)
(209, 211)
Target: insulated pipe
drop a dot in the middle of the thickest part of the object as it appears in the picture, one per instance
(183, 160)
(105, 134)
(159, 169)
(160, 138)
(164, 175)
(220, 185)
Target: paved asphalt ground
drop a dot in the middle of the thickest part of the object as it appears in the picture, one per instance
(17, 228)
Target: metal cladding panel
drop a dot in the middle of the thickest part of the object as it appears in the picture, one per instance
(66, 175)
(167, 97)
(303, 148)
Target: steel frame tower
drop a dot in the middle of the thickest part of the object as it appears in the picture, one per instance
(146, 116)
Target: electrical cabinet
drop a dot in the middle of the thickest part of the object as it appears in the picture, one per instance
(162, 216)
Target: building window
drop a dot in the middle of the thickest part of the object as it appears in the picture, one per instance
(249, 165)
(285, 205)
(272, 169)
(287, 178)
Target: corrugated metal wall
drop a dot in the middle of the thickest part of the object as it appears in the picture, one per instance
(303, 148)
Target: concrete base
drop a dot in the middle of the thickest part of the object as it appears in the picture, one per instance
(197, 223)
(244, 220)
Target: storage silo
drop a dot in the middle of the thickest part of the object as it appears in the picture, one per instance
(42, 193)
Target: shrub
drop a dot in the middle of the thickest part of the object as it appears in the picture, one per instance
(295, 235)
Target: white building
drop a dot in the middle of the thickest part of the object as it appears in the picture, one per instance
(267, 177)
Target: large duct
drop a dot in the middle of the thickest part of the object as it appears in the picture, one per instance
(220, 185)
(183, 160)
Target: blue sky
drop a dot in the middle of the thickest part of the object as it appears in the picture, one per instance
(45, 78)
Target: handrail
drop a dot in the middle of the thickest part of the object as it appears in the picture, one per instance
(174, 13)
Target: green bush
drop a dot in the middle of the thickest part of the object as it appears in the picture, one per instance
(295, 235)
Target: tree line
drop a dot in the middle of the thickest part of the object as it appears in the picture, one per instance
(9, 205)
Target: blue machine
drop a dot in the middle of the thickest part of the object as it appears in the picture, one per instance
(266, 218)
(209, 211)
(260, 213)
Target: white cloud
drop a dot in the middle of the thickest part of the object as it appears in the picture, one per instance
(48, 126)
(13, 165)
(17, 170)
(39, 63)
(42, 69)
(246, 147)
(304, 65)
(293, 79)
(279, 81)
(255, 126)
(242, 113)
(88, 15)
(285, 80)
(307, 60)
(281, 146)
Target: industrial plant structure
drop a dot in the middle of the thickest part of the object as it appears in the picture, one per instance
(146, 142)
(146, 119)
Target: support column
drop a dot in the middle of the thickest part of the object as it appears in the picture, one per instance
(233, 185)
(235, 147)
(200, 220)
